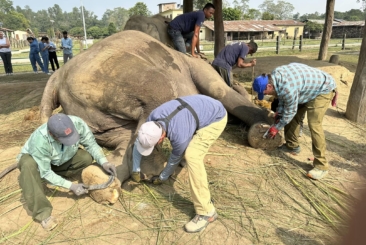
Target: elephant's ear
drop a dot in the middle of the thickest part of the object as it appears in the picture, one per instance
(153, 31)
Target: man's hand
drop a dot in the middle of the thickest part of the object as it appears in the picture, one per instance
(254, 62)
(272, 132)
(138, 176)
(156, 180)
(277, 117)
(110, 168)
(79, 189)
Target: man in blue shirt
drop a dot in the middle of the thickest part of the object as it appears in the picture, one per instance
(187, 26)
(231, 55)
(192, 124)
(34, 54)
(44, 53)
(300, 89)
(52, 151)
(66, 46)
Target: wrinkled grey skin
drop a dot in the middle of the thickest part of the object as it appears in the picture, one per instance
(117, 83)
(155, 26)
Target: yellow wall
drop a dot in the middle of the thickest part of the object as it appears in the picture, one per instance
(290, 30)
(172, 13)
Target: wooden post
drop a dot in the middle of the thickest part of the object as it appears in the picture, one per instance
(81, 46)
(344, 42)
(300, 45)
(278, 44)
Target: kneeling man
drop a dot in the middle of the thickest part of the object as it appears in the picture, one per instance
(53, 151)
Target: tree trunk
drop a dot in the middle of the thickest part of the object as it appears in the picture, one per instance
(218, 27)
(327, 31)
(187, 6)
(356, 106)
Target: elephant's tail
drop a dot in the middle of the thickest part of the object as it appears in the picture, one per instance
(49, 99)
(8, 170)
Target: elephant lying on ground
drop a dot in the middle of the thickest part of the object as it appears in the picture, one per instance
(117, 83)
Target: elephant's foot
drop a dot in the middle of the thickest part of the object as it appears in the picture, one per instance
(256, 140)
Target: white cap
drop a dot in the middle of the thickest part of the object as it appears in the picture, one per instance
(148, 136)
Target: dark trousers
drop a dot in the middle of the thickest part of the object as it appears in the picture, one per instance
(31, 183)
(6, 57)
(35, 58)
(180, 39)
(53, 58)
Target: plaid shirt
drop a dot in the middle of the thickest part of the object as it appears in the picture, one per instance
(298, 84)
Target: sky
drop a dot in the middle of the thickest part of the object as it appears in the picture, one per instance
(99, 7)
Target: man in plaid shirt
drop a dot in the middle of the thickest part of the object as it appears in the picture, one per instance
(300, 89)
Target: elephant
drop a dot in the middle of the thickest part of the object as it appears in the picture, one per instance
(115, 85)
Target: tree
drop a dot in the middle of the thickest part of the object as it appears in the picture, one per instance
(242, 5)
(6, 6)
(140, 8)
(76, 31)
(327, 31)
(231, 14)
(252, 14)
(187, 6)
(219, 27)
(16, 21)
(296, 16)
(281, 11)
(267, 16)
(312, 26)
(118, 16)
(111, 29)
(199, 4)
(94, 31)
(356, 110)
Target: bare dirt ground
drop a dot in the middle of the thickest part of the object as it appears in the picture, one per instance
(262, 197)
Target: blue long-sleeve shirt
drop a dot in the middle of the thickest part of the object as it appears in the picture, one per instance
(41, 46)
(34, 48)
(67, 45)
(182, 126)
(46, 151)
(298, 84)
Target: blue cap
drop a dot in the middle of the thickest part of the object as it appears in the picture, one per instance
(259, 85)
(61, 127)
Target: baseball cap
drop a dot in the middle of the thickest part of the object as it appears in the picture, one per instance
(148, 135)
(259, 85)
(62, 128)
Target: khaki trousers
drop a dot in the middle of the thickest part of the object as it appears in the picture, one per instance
(315, 109)
(195, 153)
(31, 183)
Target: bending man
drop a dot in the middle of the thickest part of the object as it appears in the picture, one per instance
(300, 88)
(192, 124)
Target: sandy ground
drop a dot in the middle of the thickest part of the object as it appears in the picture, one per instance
(262, 197)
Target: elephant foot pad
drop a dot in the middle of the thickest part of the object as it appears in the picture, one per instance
(256, 140)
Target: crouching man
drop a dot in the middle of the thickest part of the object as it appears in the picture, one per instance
(53, 151)
(300, 89)
(192, 124)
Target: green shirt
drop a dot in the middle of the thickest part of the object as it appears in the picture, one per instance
(45, 150)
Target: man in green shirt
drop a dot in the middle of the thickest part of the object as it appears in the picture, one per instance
(52, 151)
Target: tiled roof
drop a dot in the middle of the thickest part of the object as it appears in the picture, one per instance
(254, 25)
(350, 23)
(5, 29)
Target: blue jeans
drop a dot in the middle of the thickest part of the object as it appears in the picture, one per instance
(35, 58)
(45, 59)
(178, 39)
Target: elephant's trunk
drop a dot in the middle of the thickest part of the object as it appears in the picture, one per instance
(211, 84)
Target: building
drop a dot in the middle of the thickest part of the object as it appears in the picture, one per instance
(256, 29)
(7, 32)
(20, 35)
(352, 29)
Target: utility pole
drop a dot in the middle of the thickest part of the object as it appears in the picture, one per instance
(82, 12)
